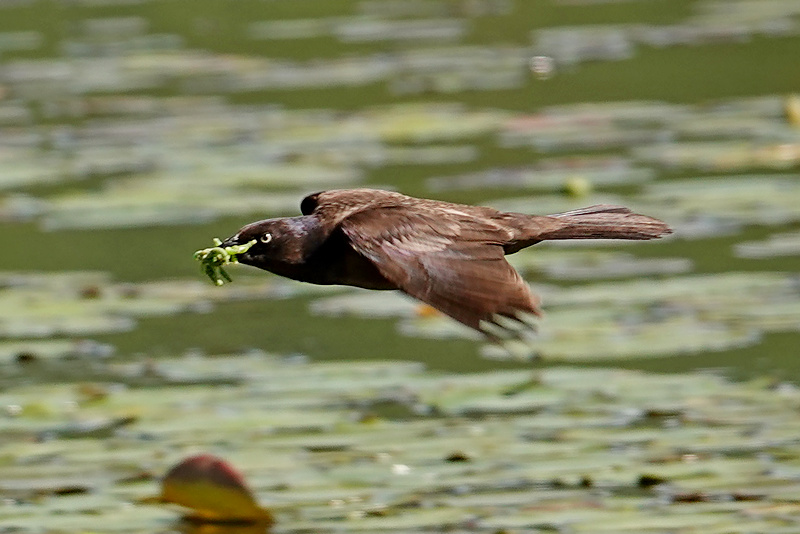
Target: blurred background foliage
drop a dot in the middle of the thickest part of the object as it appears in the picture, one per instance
(132, 132)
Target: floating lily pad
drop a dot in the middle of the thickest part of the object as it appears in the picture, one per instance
(538, 445)
(213, 490)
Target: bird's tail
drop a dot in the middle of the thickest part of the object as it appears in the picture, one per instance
(603, 222)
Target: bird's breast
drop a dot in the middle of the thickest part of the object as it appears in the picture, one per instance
(345, 266)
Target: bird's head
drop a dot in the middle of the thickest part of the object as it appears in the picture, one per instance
(273, 239)
(283, 240)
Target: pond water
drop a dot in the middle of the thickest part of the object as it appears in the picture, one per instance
(133, 132)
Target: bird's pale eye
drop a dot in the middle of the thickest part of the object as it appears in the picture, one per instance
(266, 238)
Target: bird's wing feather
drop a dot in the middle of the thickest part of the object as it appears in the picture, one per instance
(335, 205)
(452, 261)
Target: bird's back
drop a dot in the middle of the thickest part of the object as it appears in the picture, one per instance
(335, 205)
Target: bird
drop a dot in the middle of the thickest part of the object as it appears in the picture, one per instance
(449, 256)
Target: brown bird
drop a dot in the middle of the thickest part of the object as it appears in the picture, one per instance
(450, 256)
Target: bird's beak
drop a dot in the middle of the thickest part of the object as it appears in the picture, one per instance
(230, 242)
(241, 257)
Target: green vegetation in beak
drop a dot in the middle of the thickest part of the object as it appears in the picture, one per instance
(212, 260)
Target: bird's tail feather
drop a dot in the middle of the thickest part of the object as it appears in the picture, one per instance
(604, 222)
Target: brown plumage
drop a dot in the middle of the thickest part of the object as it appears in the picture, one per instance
(450, 256)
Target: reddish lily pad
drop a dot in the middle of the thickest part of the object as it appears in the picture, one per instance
(213, 490)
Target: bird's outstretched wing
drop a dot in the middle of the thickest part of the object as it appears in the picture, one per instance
(335, 205)
(455, 263)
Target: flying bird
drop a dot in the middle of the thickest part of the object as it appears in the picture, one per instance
(450, 256)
